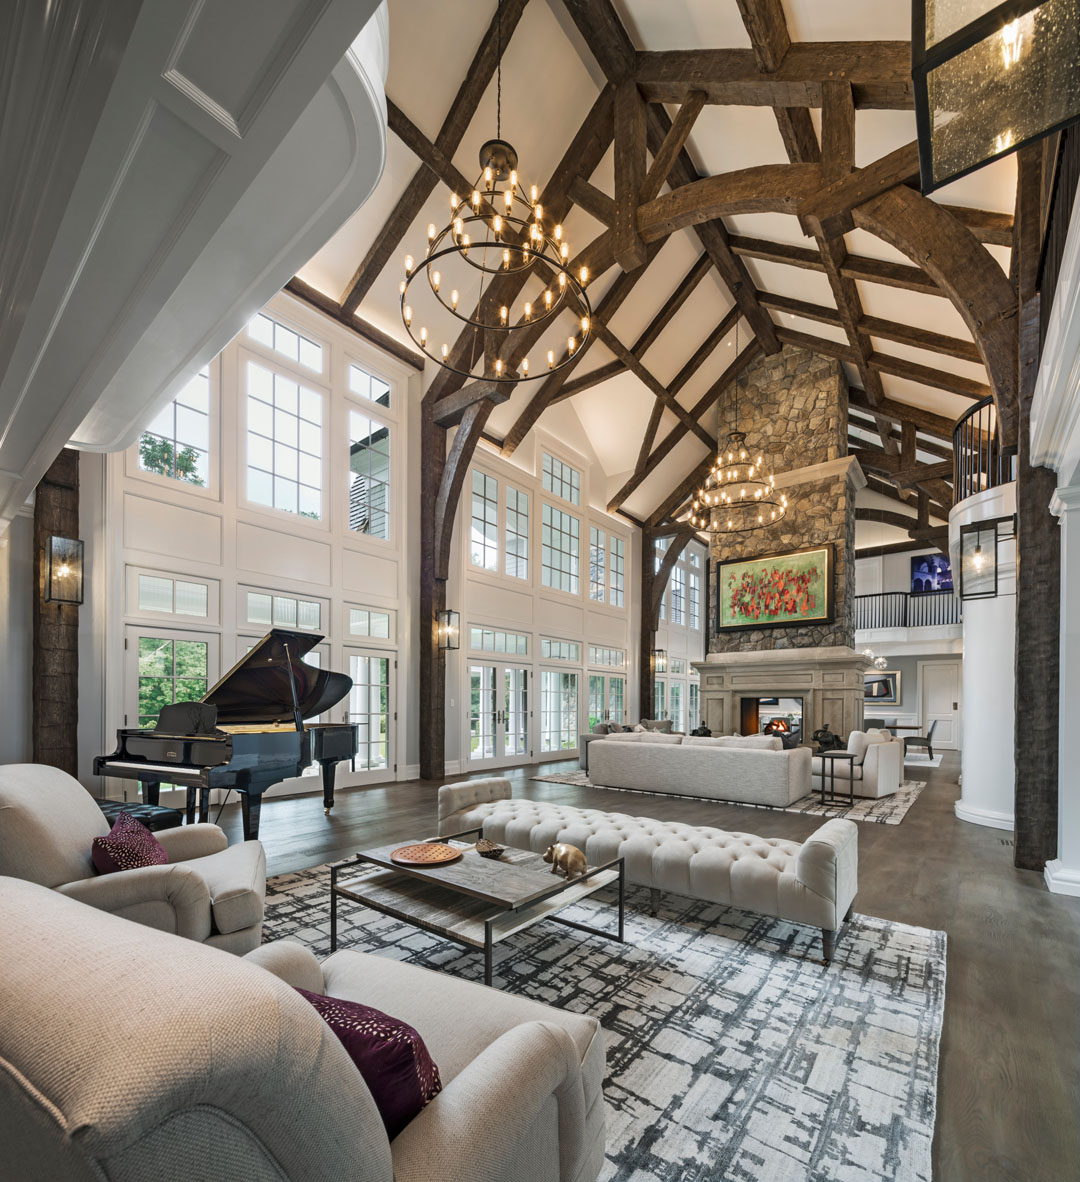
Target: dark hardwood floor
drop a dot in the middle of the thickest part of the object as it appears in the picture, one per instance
(1009, 1094)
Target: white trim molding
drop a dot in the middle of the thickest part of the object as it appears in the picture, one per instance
(1060, 880)
(986, 817)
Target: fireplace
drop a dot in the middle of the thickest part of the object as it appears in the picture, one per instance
(778, 716)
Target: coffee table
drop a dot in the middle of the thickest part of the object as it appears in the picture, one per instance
(476, 902)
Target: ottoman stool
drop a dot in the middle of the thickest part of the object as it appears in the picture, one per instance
(153, 816)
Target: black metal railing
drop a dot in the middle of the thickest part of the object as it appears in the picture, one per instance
(979, 460)
(902, 609)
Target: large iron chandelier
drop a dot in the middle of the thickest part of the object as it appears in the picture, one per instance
(738, 495)
(495, 232)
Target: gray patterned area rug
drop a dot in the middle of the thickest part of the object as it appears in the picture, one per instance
(888, 810)
(732, 1052)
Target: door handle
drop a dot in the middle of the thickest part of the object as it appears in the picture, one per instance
(955, 705)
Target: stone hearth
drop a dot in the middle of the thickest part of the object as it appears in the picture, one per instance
(829, 680)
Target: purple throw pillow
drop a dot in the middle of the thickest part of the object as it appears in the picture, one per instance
(126, 846)
(388, 1053)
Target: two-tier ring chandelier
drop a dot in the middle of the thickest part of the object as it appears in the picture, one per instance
(496, 247)
(738, 495)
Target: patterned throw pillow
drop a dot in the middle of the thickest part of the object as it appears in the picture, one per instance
(127, 846)
(400, 1074)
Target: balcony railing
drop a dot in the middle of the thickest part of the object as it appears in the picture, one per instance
(979, 460)
(901, 609)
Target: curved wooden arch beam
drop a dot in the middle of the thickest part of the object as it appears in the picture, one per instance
(967, 273)
(453, 477)
(769, 188)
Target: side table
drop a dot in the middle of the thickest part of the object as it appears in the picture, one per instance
(833, 757)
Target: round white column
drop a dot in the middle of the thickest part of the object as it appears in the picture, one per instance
(989, 682)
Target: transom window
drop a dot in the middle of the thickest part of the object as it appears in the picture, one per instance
(561, 480)
(284, 443)
(179, 597)
(597, 564)
(617, 572)
(491, 640)
(599, 655)
(517, 533)
(283, 611)
(484, 534)
(365, 621)
(560, 650)
(177, 442)
(368, 386)
(282, 339)
(369, 476)
(678, 665)
(559, 551)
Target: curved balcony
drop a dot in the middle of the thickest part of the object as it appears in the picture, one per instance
(979, 460)
(902, 609)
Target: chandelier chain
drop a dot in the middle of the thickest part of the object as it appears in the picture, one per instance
(498, 78)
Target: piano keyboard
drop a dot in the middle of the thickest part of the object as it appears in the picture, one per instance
(174, 769)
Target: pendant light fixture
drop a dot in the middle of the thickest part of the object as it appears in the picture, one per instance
(496, 230)
(738, 495)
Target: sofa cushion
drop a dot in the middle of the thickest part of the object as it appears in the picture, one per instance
(400, 1074)
(705, 741)
(752, 742)
(127, 846)
(663, 725)
(857, 743)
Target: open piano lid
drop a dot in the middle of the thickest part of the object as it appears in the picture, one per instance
(256, 688)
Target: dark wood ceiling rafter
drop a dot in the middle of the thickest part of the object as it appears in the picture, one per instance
(420, 187)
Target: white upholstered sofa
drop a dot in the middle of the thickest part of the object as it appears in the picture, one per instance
(208, 891)
(813, 882)
(877, 768)
(131, 1055)
(749, 771)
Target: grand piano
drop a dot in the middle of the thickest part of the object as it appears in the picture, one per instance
(247, 732)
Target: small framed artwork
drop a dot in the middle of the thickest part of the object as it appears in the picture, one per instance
(930, 572)
(776, 590)
(882, 687)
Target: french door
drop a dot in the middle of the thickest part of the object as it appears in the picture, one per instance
(499, 714)
(371, 708)
(607, 698)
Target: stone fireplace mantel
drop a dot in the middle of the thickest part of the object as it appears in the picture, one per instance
(829, 681)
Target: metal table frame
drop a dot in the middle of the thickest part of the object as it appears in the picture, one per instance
(557, 887)
(832, 798)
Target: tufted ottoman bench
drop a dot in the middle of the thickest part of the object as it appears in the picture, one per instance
(812, 882)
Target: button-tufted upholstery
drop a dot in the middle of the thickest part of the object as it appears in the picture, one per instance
(812, 882)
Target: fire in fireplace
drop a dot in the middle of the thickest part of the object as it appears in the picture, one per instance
(782, 717)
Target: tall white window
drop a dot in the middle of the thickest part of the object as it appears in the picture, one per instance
(678, 595)
(617, 572)
(517, 533)
(560, 550)
(558, 710)
(177, 442)
(369, 475)
(597, 564)
(694, 600)
(659, 698)
(284, 442)
(368, 386)
(484, 534)
(560, 479)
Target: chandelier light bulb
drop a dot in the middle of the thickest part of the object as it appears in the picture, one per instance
(445, 351)
(487, 176)
(584, 325)
(465, 245)
(504, 312)
(538, 209)
(407, 313)
(454, 199)
(436, 279)
(533, 194)
(528, 311)
(506, 258)
(558, 233)
(423, 335)
(562, 279)
(431, 231)
(476, 199)
(508, 198)
(408, 264)
(498, 367)
(401, 287)
(525, 367)
(454, 297)
(583, 275)
(571, 344)
(564, 251)
(547, 299)
(551, 358)
(496, 225)
(513, 178)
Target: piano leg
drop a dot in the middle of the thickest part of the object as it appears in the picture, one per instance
(189, 806)
(329, 774)
(251, 806)
(150, 791)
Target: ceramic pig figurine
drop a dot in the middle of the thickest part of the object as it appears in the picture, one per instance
(567, 858)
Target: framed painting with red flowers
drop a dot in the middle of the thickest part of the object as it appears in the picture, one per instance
(775, 590)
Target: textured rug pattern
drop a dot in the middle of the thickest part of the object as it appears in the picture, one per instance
(732, 1052)
(888, 810)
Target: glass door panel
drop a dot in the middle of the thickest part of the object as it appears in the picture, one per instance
(498, 714)
(597, 699)
(558, 711)
(617, 699)
(369, 708)
(515, 722)
(482, 712)
(675, 705)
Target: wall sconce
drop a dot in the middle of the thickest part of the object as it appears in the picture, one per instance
(449, 629)
(659, 660)
(988, 85)
(64, 571)
(979, 556)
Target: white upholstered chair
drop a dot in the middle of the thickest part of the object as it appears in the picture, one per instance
(208, 890)
(231, 1074)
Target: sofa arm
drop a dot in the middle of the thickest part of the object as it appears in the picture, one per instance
(455, 797)
(883, 766)
(293, 963)
(828, 865)
(192, 841)
(487, 1106)
(171, 897)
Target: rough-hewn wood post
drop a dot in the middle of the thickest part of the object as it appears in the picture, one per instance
(647, 635)
(55, 692)
(432, 601)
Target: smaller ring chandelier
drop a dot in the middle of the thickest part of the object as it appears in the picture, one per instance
(495, 232)
(738, 495)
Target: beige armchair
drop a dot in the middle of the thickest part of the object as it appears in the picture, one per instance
(238, 1077)
(208, 890)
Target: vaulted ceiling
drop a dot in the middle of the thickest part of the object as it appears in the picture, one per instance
(812, 231)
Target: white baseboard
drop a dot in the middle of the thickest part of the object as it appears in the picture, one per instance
(987, 817)
(453, 767)
(409, 771)
(1061, 880)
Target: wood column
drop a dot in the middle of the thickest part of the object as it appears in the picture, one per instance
(55, 690)
(647, 633)
(432, 601)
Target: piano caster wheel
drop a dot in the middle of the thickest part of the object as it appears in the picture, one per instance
(326, 812)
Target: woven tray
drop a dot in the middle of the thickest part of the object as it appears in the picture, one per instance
(427, 853)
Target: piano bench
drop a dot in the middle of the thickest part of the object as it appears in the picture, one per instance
(153, 816)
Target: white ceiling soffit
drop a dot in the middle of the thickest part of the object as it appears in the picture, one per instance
(194, 157)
